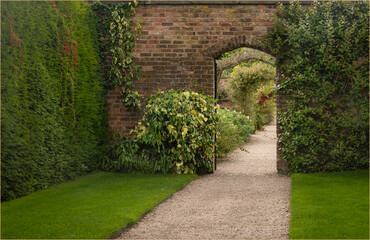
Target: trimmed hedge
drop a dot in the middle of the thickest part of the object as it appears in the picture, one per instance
(52, 117)
(323, 54)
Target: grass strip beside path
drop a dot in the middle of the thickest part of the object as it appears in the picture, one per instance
(330, 205)
(94, 206)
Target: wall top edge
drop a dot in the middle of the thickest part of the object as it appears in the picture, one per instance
(212, 2)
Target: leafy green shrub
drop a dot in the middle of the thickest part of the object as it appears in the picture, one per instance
(221, 96)
(233, 129)
(176, 131)
(52, 114)
(134, 154)
(323, 55)
(243, 83)
(265, 106)
(126, 156)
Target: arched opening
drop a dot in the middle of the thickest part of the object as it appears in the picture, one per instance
(245, 58)
(249, 55)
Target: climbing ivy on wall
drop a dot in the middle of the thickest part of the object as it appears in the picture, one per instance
(117, 19)
(52, 115)
(323, 54)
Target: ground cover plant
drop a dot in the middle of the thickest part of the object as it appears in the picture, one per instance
(234, 129)
(92, 207)
(52, 105)
(323, 58)
(330, 205)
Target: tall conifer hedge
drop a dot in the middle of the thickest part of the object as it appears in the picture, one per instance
(52, 99)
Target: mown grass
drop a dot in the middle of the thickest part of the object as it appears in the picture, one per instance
(94, 206)
(330, 205)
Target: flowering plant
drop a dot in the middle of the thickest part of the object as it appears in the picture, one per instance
(265, 104)
(233, 129)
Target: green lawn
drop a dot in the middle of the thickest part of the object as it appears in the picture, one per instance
(94, 206)
(330, 205)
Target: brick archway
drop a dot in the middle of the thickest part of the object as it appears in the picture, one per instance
(229, 44)
(179, 42)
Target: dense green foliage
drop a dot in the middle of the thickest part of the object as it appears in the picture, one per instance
(233, 129)
(126, 156)
(244, 82)
(92, 207)
(330, 205)
(122, 67)
(175, 135)
(177, 131)
(265, 105)
(323, 54)
(52, 115)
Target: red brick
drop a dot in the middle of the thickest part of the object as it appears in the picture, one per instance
(177, 48)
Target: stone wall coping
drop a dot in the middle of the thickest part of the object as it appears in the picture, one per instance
(212, 2)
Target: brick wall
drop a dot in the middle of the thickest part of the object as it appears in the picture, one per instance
(178, 46)
(281, 165)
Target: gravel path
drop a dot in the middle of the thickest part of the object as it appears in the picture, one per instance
(245, 198)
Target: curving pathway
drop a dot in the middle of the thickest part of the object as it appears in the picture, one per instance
(245, 198)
